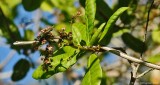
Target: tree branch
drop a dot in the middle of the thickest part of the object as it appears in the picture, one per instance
(131, 58)
(114, 51)
(24, 42)
(145, 72)
(133, 79)
(135, 68)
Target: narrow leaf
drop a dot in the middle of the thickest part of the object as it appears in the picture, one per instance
(90, 10)
(96, 34)
(112, 21)
(94, 72)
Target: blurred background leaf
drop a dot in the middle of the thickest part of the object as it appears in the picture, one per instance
(134, 43)
(20, 69)
(31, 5)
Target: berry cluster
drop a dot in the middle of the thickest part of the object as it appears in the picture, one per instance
(63, 35)
(45, 36)
(75, 16)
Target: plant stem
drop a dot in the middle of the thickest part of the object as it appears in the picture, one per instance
(132, 81)
(105, 48)
(24, 42)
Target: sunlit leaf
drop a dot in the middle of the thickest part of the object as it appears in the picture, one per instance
(62, 60)
(29, 35)
(45, 6)
(79, 33)
(94, 72)
(156, 36)
(8, 6)
(90, 10)
(20, 70)
(66, 6)
(154, 58)
(111, 22)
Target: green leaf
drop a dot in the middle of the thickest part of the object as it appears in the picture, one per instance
(128, 15)
(20, 70)
(62, 59)
(8, 7)
(134, 43)
(31, 5)
(103, 14)
(154, 58)
(111, 22)
(79, 33)
(123, 3)
(96, 34)
(29, 35)
(94, 72)
(155, 36)
(90, 10)
(82, 2)
(9, 30)
(45, 6)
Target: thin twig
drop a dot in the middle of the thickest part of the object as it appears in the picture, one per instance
(136, 67)
(145, 72)
(56, 39)
(24, 42)
(146, 29)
